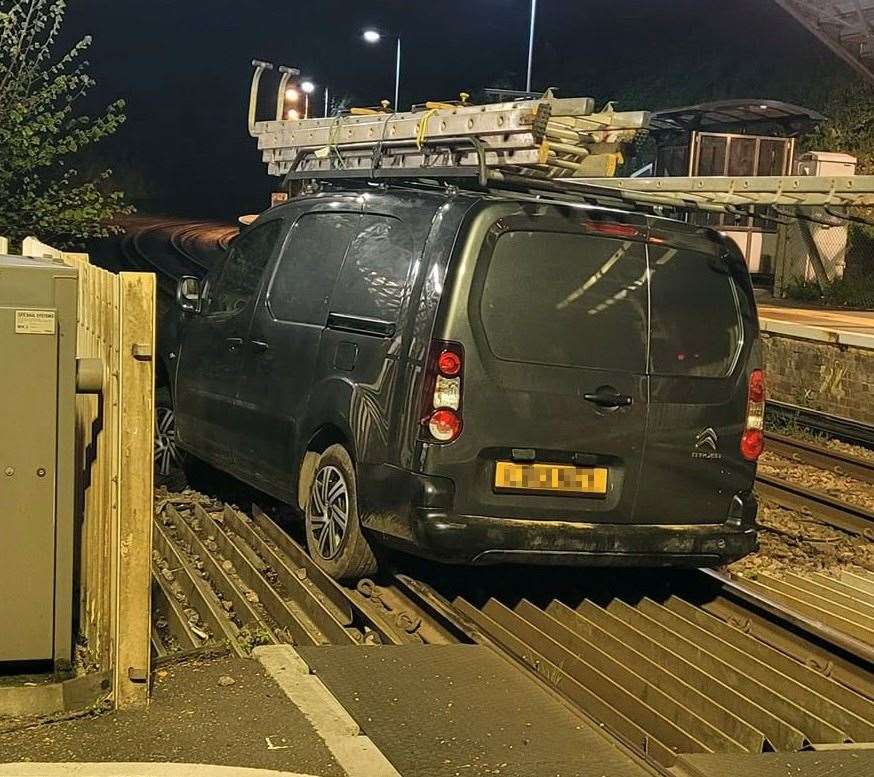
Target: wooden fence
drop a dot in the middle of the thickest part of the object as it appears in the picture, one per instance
(114, 458)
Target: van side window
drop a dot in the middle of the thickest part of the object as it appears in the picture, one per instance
(374, 275)
(566, 299)
(308, 267)
(696, 326)
(241, 274)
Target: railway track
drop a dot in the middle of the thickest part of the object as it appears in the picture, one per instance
(831, 460)
(837, 610)
(223, 577)
(844, 429)
(670, 663)
(172, 248)
(844, 515)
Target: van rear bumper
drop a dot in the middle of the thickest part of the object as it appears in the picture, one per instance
(415, 512)
(476, 539)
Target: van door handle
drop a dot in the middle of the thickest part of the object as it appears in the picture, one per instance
(607, 399)
(233, 343)
(259, 346)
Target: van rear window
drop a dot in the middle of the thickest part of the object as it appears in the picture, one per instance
(566, 299)
(696, 325)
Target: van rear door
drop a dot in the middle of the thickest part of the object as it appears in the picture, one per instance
(552, 314)
(703, 325)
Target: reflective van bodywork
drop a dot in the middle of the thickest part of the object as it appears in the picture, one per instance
(565, 362)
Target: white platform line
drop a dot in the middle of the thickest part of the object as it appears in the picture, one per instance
(355, 752)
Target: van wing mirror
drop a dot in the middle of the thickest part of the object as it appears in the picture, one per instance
(188, 294)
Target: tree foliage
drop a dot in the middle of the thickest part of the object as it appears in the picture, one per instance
(43, 136)
(850, 125)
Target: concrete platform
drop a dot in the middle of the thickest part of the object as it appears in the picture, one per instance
(448, 710)
(844, 327)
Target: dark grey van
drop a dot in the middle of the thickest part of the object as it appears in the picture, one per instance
(479, 378)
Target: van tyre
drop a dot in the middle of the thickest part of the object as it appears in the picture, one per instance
(334, 536)
(169, 460)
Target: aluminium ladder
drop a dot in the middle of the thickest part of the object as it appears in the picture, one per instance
(546, 147)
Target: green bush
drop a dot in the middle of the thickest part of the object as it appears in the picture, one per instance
(847, 292)
(803, 290)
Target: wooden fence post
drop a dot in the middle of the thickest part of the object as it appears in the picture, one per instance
(132, 567)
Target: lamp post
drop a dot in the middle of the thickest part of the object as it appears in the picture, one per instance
(531, 44)
(373, 37)
(307, 87)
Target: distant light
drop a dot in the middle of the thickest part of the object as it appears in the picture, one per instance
(372, 36)
(291, 95)
(292, 115)
(763, 107)
(308, 87)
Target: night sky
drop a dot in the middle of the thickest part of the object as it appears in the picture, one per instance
(183, 66)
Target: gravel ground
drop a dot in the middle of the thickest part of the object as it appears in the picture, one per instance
(792, 543)
(223, 711)
(800, 433)
(850, 450)
(838, 486)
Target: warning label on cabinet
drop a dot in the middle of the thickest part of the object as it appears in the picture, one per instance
(35, 322)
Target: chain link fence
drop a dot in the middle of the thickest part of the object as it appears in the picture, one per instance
(844, 250)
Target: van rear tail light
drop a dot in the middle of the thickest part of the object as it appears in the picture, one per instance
(441, 402)
(448, 363)
(444, 425)
(752, 441)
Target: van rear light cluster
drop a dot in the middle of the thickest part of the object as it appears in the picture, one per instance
(752, 441)
(443, 383)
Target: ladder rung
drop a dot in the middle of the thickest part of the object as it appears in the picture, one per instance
(548, 137)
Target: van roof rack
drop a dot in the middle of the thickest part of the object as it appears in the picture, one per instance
(561, 147)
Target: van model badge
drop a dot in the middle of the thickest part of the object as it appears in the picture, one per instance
(707, 445)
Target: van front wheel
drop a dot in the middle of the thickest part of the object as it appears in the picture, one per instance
(333, 531)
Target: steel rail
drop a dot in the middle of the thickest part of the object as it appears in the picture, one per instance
(750, 593)
(845, 429)
(848, 517)
(839, 463)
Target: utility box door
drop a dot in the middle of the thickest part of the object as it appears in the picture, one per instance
(28, 420)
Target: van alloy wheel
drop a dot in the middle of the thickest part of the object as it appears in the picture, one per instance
(166, 453)
(330, 511)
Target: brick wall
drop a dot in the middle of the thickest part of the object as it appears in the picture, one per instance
(836, 379)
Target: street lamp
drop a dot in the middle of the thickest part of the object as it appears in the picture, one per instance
(531, 44)
(307, 87)
(292, 97)
(375, 36)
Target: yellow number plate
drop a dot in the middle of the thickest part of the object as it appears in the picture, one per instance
(556, 478)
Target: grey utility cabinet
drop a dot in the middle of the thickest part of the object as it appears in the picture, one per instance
(38, 300)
